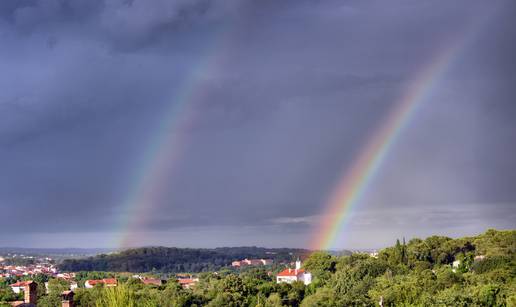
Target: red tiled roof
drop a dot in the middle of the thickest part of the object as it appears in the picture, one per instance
(109, 281)
(152, 281)
(22, 283)
(291, 272)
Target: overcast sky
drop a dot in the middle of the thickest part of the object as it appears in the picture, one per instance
(261, 107)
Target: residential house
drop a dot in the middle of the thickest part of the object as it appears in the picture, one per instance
(152, 281)
(251, 262)
(187, 283)
(30, 296)
(298, 274)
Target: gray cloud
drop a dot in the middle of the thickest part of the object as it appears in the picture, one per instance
(279, 98)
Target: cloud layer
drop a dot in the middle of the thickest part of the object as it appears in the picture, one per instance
(285, 95)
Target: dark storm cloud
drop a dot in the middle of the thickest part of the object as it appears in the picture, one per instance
(286, 95)
(123, 25)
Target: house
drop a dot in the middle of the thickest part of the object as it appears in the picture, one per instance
(152, 281)
(30, 296)
(20, 286)
(187, 283)
(107, 282)
(298, 274)
(248, 262)
(267, 261)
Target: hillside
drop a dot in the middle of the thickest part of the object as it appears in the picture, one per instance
(175, 260)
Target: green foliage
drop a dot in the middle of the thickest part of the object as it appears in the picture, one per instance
(6, 293)
(417, 273)
(57, 285)
(321, 265)
(87, 297)
(324, 297)
(50, 300)
(120, 296)
(496, 243)
(274, 300)
(495, 263)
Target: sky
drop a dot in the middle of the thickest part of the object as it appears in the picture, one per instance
(229, 123)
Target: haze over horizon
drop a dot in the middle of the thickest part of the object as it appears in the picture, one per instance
(261, 106)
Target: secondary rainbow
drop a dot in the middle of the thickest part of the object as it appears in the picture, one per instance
(355, 181)
(164, 151)
(146, 187)
(160, 157)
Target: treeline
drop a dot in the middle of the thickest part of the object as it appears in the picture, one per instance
(176, 260)
(437, 271)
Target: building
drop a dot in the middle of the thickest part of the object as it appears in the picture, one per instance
(267, 261)
(152, 281)
(106, 282)
(251, 262)
(298, 274)
(187, 283)
(19, 286)
(67, 299)
(30, 295)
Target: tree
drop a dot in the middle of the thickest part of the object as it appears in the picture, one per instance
(274, 300)
(321, 265)
(324, 297)
(116, 297)
(57, 285)
(7, 294)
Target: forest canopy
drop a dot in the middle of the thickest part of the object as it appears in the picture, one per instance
(177, 260)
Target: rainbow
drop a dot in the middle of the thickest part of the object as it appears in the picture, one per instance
(164, 150)
(354, 183)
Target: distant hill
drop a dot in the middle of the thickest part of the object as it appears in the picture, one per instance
(176, 260)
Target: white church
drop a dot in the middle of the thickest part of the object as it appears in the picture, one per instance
(298, 274)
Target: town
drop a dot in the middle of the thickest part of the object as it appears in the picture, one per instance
(26, 278)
